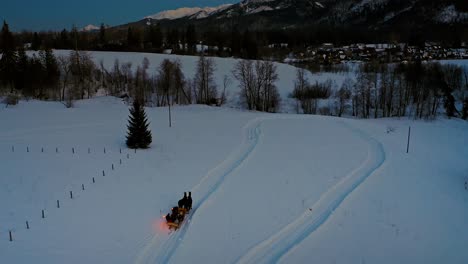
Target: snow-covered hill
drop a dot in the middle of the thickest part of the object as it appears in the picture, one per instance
(266, 187)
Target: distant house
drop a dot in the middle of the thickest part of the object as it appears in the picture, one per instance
(327, 46)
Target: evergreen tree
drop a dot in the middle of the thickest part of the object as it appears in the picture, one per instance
(134, 39)
(64, 41)
(102, 35)
(465, 108)
(173, 39)
(219, 41)
(235, 42)
(156, 36)
(74, 35)
(139, 136)
(191, 39)
(9, 57)
(52, 72)
(36, 42)
(22, 78)
(35, 77)
(249, 46)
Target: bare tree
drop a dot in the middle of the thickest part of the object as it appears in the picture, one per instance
(164, 82)
(205, 86)
(64, 65)
(244, 72)
(127, 76)
(343, 95)
(141, 83)
(300, 85)
(171, 84)
(82, 68)
(226, 82)
(257, 83)
(116, 86)
(182, 94)
(268, 95)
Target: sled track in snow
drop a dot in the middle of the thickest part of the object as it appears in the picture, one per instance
(272, 249)
(160, 249)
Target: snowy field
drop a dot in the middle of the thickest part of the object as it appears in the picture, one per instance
(267, 188)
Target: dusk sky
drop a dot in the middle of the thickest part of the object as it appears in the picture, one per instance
(58, 14)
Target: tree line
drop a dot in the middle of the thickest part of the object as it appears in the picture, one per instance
(417, 90)
(152, 38)
(233, 41)
(43, 75)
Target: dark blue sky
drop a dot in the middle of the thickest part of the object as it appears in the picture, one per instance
(37, 15)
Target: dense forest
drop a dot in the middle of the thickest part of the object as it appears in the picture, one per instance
(233, 42)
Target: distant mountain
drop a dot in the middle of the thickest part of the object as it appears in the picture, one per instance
(379, 15)
(89, 28)
(375, 12)
(187, 12)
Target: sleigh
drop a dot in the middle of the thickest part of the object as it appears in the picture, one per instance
(180, 219)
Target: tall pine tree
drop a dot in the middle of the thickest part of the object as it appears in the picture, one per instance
(191, 39)
(139, 136)
(9, 57)
(102, 35)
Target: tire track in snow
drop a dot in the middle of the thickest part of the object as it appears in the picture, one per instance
(272, 249)
(160, 249)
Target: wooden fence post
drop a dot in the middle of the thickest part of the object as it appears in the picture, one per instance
(409, 135)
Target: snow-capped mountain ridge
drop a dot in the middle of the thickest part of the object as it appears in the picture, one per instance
(444, 12)
(283, 14)
(191, 12)
(90, 27)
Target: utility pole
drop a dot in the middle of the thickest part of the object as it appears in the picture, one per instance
(169, 103)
